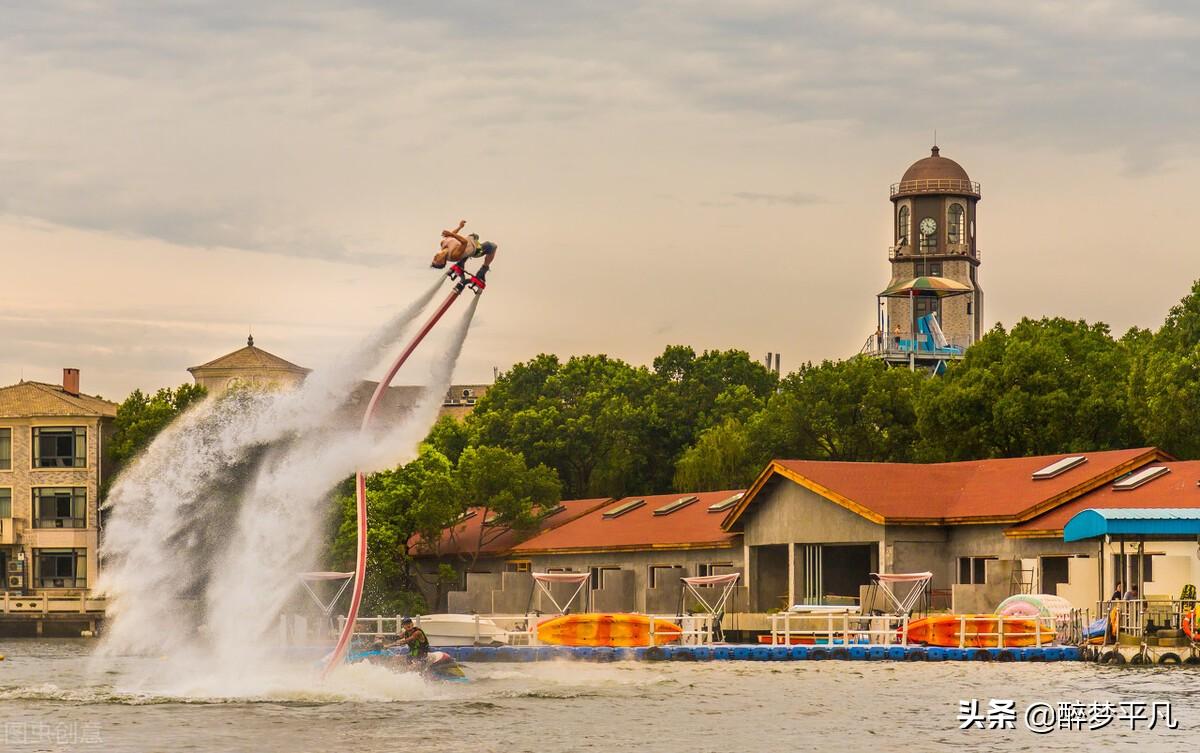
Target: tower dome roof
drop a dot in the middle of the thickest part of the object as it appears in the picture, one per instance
(935, 174)
(935, 167)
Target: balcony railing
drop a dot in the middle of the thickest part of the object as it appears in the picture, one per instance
(936, 185)
(899, 346)
(912, 252)
(12, 603)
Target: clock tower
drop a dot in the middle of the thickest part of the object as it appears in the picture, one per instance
(933, 227)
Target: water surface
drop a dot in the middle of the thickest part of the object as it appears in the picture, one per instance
(52, 698)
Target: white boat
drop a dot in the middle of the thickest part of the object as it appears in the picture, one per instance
(460, 630)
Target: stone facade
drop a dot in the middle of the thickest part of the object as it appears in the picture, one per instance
(27, 542)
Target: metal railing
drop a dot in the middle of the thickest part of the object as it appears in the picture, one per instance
(902, 345)
(852, 628)
(957, 251)
(935, 185)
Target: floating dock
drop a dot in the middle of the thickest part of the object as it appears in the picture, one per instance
(760, 653)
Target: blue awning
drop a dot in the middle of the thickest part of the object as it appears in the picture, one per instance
(1133, 521)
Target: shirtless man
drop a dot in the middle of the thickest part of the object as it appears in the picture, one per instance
(457, 249)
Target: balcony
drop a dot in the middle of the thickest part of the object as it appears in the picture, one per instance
(898, 349)
(936, 185)
(10, 528)
(956, 251)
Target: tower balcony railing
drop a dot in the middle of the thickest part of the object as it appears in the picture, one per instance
(936, 185)
(956, 251)
(899, 346)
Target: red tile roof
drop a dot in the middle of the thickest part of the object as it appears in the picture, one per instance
(462, 537)
(998, 490)
(689, 527)
(1179, 488)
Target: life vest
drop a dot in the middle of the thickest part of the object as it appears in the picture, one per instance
(1189, 622)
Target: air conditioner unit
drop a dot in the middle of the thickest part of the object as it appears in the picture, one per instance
(14, 581)
(16, 566)
(468, 392)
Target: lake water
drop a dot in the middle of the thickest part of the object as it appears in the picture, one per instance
(53, 698)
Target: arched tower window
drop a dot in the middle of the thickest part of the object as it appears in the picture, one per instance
(902, 227)
(954, 225)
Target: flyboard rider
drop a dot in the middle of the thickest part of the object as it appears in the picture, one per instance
(457, 249)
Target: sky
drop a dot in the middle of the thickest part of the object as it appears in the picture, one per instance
(174, 175)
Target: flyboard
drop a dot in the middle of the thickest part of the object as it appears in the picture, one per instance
(462, 280)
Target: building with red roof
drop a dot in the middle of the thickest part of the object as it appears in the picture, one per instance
(810, 531)
(816, 529)
(635, 549)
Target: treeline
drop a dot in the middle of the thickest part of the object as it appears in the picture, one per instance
(712, 421)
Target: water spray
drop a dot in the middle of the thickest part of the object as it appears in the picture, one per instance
(463, 280)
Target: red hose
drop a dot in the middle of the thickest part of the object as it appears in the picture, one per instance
(360, 486)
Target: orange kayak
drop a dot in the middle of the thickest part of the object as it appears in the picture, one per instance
(600, 629)
(979, 631)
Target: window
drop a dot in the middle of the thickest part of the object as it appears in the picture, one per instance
(5, 504)
(1059, 467)
(1130, 577)
(927, 304)
(620, 510)
(517, 566)
(59, 447)
(660, 576)
(678, 504)
(973, 570)
(902, 227)
(705, 569)
(1137, 478)
(5, 449)
(60, 568)
(726, 503)
(1056, 570)
(927, 268)
(59, 508)
(954, 224)
(598, 575)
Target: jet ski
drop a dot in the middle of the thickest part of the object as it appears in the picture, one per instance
(436, 665)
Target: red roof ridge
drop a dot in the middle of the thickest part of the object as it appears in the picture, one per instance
(967, 491)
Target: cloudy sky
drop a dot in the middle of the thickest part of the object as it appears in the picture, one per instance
(711, 173)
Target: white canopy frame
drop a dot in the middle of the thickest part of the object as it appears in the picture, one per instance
(900, 602)
(327, 607)
(544, 580)
(726, 582)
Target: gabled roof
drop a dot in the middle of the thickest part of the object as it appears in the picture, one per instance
(689, 527)
(31, 399)
(978, 491)
(462, 537)
(1177, 489)
(251, 357)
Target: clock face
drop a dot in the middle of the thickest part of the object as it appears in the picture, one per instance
(928, 226)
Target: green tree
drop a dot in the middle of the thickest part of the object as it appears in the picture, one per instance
(405, 505)
(590, 419)
(721, 459)
(511, 495)
(1048, 386)
(1164, 382)
(858, 409)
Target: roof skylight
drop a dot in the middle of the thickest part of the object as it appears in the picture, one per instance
(620, 510)
(726, 503)
(678, 504)
(1059, 467)
(1137, 478)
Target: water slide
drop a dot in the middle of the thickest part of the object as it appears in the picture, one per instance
(462, 280)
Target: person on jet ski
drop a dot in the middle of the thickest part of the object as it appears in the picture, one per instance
(413, 637)
(456, 249)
